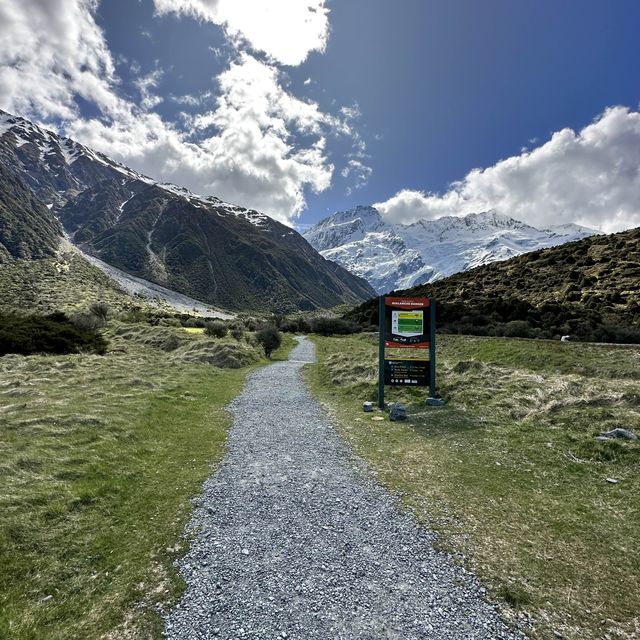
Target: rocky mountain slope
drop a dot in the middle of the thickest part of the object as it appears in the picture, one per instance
(392, 256)
(216, 252)
(589, 289)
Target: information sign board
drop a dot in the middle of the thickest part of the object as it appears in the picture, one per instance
(407, 324)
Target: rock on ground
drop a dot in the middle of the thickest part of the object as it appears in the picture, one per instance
(294, 539)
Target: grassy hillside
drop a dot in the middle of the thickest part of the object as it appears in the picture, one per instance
(509, 471)
(589, 289)
(65, 282)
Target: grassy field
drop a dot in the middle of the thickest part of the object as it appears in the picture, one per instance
(100, 456)
(509, 472)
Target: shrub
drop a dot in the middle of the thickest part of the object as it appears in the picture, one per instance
(216, 329)
(100, 310)
(518, 329)
(237, 334)
(86, 321)
(190, 321)
(329, 326)
(295, 325)
(55, 333)
(270, 339)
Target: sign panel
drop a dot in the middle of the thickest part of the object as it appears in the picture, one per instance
(410, 372)
(407, 326)
(407, 322)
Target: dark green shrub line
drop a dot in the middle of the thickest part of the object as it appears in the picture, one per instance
(54, 333)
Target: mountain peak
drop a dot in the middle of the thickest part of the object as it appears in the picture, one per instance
(392, 256)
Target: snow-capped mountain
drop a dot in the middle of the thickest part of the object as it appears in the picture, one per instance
(222, 254)
(398, 256)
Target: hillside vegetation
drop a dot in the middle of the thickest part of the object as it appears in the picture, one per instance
(27, 228)
(589, 289)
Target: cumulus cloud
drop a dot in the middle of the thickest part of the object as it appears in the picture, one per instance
(52, 51)
(252, 142)
(591, 177)
(244, 153)
(286, 30)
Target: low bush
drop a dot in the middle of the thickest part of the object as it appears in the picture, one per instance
(269, 339)
(333, 326)
(216, 329)
(54, 333)
(295, 325)
(100, 310)
(225, 355)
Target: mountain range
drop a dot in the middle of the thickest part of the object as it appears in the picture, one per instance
(397, 256)
(222, 254)
(588, 289)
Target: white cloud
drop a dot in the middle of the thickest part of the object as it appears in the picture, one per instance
(51, 51)
(286, 30)
(247, 149)
(245, 154)
(591, 177)
(145, 85)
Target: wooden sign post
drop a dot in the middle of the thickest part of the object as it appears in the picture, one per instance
(408, 324)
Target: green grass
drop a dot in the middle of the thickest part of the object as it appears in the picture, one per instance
(509, 472)
(100, 457)
(68, 283)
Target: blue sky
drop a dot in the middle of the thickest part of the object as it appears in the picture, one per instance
(349, 102)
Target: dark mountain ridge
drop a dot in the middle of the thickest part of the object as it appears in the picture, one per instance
(589, 289)
(223, 254)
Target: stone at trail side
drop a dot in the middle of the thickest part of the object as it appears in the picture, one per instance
(367, 406)
(617, 434)
(612, 481)
(377, 418)
(397, 412)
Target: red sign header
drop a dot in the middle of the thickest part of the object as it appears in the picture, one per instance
(407, 303)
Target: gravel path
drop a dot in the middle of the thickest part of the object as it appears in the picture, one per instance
(294, 539)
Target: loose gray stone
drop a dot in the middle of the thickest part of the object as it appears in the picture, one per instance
(397, 412)
(618, 433)
(367, 406)
(331, 555)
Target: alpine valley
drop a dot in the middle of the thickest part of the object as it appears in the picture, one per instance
(397, 256)
(221, 254)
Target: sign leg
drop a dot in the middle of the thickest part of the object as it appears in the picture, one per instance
(432, 348)
(381, 323)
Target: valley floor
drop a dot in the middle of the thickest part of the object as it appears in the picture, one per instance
(294, 536)
(294, 539)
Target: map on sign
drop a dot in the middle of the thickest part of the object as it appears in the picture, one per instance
(407, 323)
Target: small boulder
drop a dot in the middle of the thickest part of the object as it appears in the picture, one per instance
(397, 412)
(367, 406)
(617, 434)
(565, 339)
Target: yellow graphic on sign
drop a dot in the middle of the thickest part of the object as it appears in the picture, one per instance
(407, 323)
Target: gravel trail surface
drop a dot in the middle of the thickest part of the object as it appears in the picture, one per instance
(293, 538)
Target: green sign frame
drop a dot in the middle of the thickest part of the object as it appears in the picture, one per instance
(405, 330)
